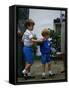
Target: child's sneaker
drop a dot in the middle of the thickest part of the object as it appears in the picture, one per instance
(51, 73)
(29, 76)
(43, 75)
(24, 72)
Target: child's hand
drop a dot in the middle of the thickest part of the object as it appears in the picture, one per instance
(34, 43)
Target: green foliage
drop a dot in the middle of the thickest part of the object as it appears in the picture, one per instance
(56, 39)
(34, 37)
(34, 47)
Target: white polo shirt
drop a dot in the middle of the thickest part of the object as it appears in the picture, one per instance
(26, 38)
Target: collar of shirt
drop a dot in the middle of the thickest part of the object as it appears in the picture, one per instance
(28, 31)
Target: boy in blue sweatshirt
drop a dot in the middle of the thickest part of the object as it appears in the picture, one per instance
(45, 49)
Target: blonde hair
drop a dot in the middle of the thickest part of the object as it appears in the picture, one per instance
(45, 32)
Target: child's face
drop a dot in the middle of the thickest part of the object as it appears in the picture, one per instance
(30, 27)
(46, 36)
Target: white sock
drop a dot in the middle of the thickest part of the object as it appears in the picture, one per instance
(24, 71)
(50, 72)
(43, 74)
(29, 74)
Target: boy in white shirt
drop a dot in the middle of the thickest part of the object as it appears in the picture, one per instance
(27, 49)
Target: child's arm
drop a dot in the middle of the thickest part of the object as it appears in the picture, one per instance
(36, 41)
(22, 40)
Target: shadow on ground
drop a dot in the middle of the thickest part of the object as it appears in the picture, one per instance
(36, 71)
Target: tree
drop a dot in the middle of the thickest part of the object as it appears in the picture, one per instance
(56, 42)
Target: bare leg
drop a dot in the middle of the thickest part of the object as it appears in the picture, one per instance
(43, 67)
(49, 69)
(43, 71)
(27, 67)
(29, 73)
(49, 66)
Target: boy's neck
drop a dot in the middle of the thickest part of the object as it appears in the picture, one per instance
(29, 30)
(46, 38)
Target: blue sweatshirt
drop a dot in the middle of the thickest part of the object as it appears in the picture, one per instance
(45, 47)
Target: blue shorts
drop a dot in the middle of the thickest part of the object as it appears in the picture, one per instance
(45, 58)
(28, 54)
